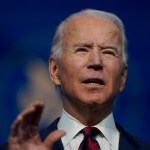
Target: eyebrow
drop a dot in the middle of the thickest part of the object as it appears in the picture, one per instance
(84, 44)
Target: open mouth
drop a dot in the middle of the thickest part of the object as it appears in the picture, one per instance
(94, 81)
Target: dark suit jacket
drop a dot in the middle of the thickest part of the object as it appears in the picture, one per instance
(127, 142)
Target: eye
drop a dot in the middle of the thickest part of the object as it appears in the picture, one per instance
(109, 53)
(81, 49)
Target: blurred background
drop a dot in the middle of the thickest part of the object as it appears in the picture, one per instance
(26, 31)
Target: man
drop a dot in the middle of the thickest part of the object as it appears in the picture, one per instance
(88, 65)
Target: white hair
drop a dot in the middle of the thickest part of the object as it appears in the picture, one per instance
(56, 49)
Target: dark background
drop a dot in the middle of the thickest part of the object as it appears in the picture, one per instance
(26, 31)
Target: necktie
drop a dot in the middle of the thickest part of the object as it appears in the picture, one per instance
(89, 142)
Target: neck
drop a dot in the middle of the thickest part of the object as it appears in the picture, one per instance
(89, 115)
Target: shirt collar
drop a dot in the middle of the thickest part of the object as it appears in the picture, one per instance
(72, 126)
(108, 129)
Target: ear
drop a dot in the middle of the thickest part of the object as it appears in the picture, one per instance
(53, 70)
(123, 77)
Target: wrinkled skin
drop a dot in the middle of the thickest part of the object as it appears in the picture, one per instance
(25, 134)
(84, 40)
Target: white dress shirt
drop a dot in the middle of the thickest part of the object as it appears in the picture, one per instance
(109, 140)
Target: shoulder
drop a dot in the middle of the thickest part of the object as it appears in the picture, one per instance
(4, 147)
(145, 145)
(128, 141)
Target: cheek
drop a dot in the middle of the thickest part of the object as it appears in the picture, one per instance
(72, 65)
(69, 71)
(113, 74)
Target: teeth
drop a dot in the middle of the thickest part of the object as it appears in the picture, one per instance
(93, 83)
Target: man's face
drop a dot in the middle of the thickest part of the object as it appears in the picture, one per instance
(88, 72)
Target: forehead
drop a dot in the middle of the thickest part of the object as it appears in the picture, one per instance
(88, 28)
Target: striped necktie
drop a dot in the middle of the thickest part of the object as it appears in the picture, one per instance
(89, 142)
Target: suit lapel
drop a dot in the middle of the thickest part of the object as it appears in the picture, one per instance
(43, 134)
(126, 142)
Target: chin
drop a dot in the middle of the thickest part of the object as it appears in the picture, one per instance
(92, 101)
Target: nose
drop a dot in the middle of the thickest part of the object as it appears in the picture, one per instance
(95, 60)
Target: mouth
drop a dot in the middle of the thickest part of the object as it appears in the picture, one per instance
(94, 81)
